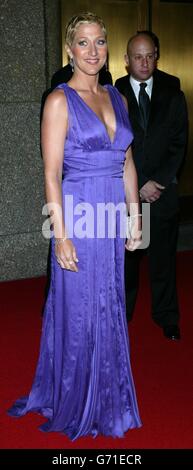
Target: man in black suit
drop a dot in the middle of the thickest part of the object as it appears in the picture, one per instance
(158, 116)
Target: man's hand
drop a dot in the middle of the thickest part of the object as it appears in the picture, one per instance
(151, 191)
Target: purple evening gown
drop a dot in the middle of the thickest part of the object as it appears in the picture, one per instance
(83, 382)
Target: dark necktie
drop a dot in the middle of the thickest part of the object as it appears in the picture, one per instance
(144, 104)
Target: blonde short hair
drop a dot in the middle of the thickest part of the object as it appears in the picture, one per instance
(77, 20)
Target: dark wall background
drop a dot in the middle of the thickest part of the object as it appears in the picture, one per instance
(30, 53)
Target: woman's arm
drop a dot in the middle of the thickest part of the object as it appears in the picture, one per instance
(132, 198)
(53, 135)
(132, 201)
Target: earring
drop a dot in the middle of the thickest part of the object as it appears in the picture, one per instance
(72, 64)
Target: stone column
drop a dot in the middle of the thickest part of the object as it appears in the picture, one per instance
(30, 54)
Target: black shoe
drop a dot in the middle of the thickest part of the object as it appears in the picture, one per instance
(172, 332)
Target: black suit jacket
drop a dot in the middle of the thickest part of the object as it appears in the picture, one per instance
(158, 152)
(166, 79)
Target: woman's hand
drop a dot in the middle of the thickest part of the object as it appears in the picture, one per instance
(135, 233)
(66, 254)
(132, 245)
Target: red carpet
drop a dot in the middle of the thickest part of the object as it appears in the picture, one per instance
(162, 370)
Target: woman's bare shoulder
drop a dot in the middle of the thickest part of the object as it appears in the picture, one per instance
(56, 100)
(55, 105)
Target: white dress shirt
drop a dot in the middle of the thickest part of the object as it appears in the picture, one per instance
(136, 86)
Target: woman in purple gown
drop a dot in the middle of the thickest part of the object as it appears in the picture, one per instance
(83, 383)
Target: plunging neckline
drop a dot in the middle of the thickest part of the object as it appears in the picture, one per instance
(112, 141)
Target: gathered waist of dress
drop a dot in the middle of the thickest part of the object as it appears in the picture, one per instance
(97, 164)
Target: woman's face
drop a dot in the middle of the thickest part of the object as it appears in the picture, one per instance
(89, 48)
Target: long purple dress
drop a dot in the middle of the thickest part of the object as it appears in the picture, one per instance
(83, 382)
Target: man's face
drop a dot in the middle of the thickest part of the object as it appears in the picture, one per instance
(141, 58)
(89, 49)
